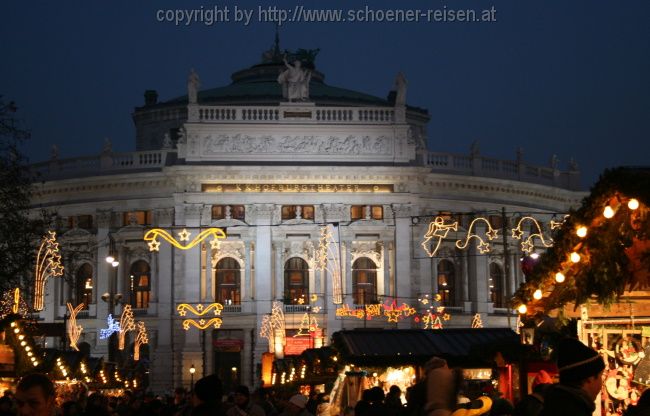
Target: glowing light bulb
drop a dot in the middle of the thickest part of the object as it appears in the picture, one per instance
(538, 294)
(559, 277)
(581, 231)
(575, 257)
(522, 309)
(115, 263)
(633, 204)
(608, 212)
(110, 259)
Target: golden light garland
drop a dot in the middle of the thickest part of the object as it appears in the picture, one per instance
(438, 230)
(477, 322)
(140, 338)
(558, 224)
(13, 303)
(274, 322)
(328, 259)
(126, 324)
(432, 321)
(392, 311)
(74, 330)
(483, 247)
(200, 310)
(202, 323)
(154, 245)
(527, 245)
(48, 263)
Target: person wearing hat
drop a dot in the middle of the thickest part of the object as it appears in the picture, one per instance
(206, 396)
(581, 369)
(244, 406)
(297, 406)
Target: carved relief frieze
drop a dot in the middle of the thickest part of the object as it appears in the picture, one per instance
(103, 218)
(164, 216)
(217, 144)
(302, 249)
(371, 249)
(234, 249)
(336, 212)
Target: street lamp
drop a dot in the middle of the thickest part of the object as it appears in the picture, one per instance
(192, 371)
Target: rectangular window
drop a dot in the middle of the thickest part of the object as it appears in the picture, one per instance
(137, 217)
(356, 212)
(290, 212)
(221, 212)
(377, 212)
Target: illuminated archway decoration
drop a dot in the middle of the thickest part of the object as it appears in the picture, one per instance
(113, 326)
(200, 310)
(154, 245)
(126, 324)
(140, 338)
(328, 259)
(438, 230)
(48, 263)
(528, 245)
(74, 330)
(483, 246)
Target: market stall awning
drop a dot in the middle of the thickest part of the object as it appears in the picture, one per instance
(466, 346)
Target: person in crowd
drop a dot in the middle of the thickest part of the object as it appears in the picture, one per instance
(262, 398)
(206, 399)
(348, 411)
(393, 399)
(35, 396)
(5, 406)
(244, 405)
(532, 404)
(416, 397)
(296, 406)
(312, 403)
(581, 369)
(323, 408)
(363, 405)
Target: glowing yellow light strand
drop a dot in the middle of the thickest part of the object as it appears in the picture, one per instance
(328, 259)
(74, 330)
(439, 230)
(200, 310)
(483, 247)
(140, 338)
(477, 322)
(126, 324)
(309, 324)
(48, 263)
(558, 224)
(16, 305)
(528, 245)
(202, 323)
(272, 323)
(154, 245)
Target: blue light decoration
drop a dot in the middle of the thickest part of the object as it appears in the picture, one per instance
(113, 326)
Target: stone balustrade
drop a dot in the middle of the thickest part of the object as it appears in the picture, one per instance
(102, 164)
(297, 113)
(478, 165)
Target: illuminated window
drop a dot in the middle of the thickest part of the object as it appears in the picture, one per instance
(221, 212)
(137, 217)
(228, 281)
(140, 284)
(296, 281)
(495, 285)
(359, 212)
(446, 279)
(84, 285)
(364, 281)
(291, 212)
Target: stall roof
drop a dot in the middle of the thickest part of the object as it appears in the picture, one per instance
(464, 346)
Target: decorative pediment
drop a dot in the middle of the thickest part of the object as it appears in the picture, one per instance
(371, 249)
(234, 249)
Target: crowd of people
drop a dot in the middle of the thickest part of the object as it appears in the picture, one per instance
(440, 394)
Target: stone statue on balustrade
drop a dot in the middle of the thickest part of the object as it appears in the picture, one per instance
(400, 89)
(295, 81)
(167, 142)
(193, 85)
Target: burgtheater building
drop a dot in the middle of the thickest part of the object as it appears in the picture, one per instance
(331, 202)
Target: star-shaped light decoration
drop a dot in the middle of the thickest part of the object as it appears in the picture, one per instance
(446, 317)
(301, 301)
(199, 307)
(492, 233)
(316, 309)
(184, 235)
(440, 309)
(182, 312)
(215, 244)
(392, 314)
(438, 298)
(424, 301)
(154, 245)
(527, 246)
(517, 233)
(483, 247)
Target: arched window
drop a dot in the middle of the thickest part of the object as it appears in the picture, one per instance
(140, 284)
(296, 281)
(228, 281)
(364, 281)
(446, 279)
(84, 285)
(495, 285)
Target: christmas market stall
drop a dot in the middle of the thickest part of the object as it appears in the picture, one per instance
(385, 357)
(597, 277)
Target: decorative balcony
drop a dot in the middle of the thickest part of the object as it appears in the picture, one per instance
(292, 113)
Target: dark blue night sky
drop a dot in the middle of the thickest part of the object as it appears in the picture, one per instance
(552, 77)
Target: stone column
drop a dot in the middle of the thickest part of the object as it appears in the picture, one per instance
(102, 275)
(162, 368)
(279, 267)
(465, 278)
(262, 218)
(478, 276)
(402, 252)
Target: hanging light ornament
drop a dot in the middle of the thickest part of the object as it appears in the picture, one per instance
(633, 204)
(559, 277)
(581, 231)
(608, 212)
(538, 294)
(522, 309)
(575, 257)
